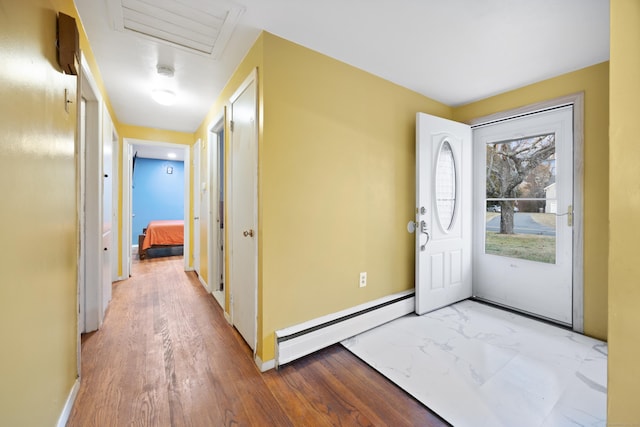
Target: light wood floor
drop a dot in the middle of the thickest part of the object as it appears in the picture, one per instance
(166, 356)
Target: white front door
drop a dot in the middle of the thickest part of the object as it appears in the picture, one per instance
(197, 195)
(523, 238)
(243, 231)
(443, 214)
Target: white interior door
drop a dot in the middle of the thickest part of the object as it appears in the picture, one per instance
(244, 220)
(523, 242)
(115, 240)
(443, 215)
(107, 208)
(197, 202)
(92, 249)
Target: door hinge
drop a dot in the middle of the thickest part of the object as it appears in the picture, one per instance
(231, 125)
(570, 216)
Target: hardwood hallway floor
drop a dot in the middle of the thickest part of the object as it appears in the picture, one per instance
(166, 356)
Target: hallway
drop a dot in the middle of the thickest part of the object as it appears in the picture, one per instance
(166, 356)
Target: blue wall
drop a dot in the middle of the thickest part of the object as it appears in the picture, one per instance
(155, 193)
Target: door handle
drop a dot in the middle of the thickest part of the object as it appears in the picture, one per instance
(423, 230)
(569, 215)
(247, 233)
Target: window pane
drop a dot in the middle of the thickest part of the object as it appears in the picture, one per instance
(521, 198)
(446, 186)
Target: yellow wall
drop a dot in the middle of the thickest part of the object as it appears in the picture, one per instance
(594, 82)
(336, 183)
(38, 304)
(337, 176)
(624, 213)
(38, 292)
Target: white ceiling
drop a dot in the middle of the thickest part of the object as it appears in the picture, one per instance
(453, 51)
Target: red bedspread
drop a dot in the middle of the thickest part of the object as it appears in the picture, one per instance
(165, 232)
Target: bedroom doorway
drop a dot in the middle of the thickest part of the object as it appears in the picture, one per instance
(132, 148)
(216, 211)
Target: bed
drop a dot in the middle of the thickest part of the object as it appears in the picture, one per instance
(161, 238)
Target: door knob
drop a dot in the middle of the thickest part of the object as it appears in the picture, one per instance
(247, 233)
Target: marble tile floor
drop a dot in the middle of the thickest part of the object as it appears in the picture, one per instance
(477, 365)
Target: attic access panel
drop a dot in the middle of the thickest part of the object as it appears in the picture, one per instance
(199, 26)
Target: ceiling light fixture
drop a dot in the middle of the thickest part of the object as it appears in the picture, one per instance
(163, 96)
(165, 71)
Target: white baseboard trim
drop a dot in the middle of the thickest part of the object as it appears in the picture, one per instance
(227, 317)
(264, 366)
(299, 340)
(68, 405)
(219, 297)
(204, 284)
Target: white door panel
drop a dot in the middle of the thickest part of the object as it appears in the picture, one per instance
(243, 230)
(107, 209)
(443, 193)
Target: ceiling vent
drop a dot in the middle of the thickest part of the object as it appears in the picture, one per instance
(200, 26)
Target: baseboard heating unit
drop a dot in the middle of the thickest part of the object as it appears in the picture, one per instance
(298, 341)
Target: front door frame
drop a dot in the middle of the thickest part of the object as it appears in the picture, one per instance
(577, 100)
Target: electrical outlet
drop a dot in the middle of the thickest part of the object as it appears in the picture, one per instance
(363, 279)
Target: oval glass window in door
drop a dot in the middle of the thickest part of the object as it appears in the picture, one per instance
(445, 186)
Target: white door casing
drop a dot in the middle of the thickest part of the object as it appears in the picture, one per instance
(197, 203)
(92, 249)
(81, 200)
(443, 220)
(205, 206)
(540, 288)
(216, 259)
(243, 221)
